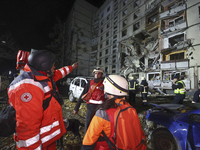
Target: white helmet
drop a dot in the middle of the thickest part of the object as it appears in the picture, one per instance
(98, 69)
(142, 78)
(130, 77)
(115, 85)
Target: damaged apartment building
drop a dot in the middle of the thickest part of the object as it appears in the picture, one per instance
(156, 39)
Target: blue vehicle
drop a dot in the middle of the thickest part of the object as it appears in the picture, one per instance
(175, 126)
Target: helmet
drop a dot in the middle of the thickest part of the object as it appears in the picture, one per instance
(130, 77)
(41, 60)
(142, 78)
(98, 69)
(115, 85)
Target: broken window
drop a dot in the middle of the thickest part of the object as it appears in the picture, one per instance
(106, 51)
(101, 45)
(107, 34)
(136, 26)
(136, 14)
(114, 51)
(108, 17)
(114, 61)
(124, 12)
(124, 2)
(179, 20)
(124, 33)
(114, 41)
(114, 56)
(107, 42)
(114, 37)
(174, 40)
(171, 24)
(100, 54)
(114, 46)
(136, 3)
(152, 19)
(101, 30)
(106, 69)
(102, 22)
(101, 15)
(108, 9)
(124, 22)
(177, 56)
(99, 62)
(199, 11)
(101, 38)
(108, 25)
(106, 60)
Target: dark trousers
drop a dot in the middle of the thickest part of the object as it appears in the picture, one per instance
(132, 97)
(178, 99)
(89, 114)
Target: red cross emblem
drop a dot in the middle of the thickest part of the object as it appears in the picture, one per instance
(26, 97)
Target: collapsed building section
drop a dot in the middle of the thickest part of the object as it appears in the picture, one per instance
(160, 49)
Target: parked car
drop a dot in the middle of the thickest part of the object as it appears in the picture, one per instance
(175, 126)
(76, 87)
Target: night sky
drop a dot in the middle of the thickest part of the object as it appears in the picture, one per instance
(29, 22)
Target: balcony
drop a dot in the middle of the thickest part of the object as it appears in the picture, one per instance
(176, 27)
(175, 64)
(151, 5)
(173, 12)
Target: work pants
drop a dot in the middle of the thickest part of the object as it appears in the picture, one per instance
(89, 114)
(132, 97)
(178, 99)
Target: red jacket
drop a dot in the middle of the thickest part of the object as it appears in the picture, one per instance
(97, 96)
(35, 127)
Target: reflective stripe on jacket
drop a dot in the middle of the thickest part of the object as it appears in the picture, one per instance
(144, 89)
(97, 96)
(36, 128)
(181, 90)
(132, 85)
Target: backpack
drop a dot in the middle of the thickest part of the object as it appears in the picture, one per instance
(128, 134)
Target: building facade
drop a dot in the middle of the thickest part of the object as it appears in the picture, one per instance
(156, 39)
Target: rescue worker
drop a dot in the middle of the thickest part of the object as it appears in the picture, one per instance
(144, 90)
(132, 89)
(196, 97)
(115, 90)
(97, 96)
(179, 89)
(39, 120)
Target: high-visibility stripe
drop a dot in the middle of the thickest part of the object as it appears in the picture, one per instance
(29, 81)
(133, 86)
(67, 69)
(95, 102)
(49, 127)
(28, 142)
(39, 148)
(49, 137)
(62, 72)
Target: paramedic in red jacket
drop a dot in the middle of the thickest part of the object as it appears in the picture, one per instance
(97, 96)
(115, 89)
(38, 114)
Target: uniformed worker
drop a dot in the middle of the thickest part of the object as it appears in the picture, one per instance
(97, 96)
(144, 90)
(196, 97)
(39, 120)
(179, 89)
(132, 89)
